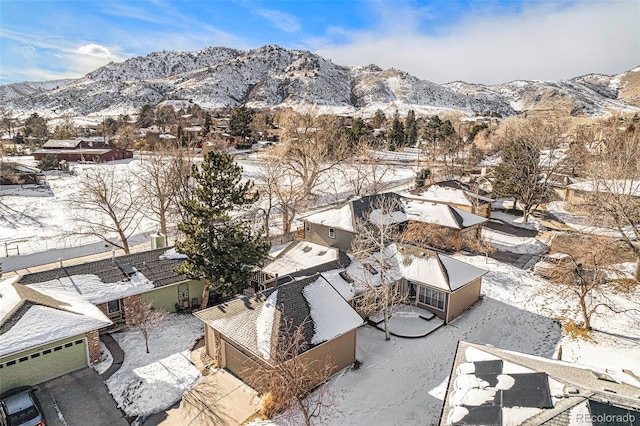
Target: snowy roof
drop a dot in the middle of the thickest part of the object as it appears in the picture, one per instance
(109, 279)
(61, 143)
(435, 269)
(256, 322)
(346, 216)
(30, 318)
(496, 386)
(304, 256)
(441, 214)
(620, 186)
(447, 195)
(339, 218)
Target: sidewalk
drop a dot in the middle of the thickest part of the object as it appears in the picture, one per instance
(116, 353)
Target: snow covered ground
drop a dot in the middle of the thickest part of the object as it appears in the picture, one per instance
(34, 219)
(151, 382)
(512, 243)
(403, 381)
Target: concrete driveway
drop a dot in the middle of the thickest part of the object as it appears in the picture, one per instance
(220, 399)
(79, 398)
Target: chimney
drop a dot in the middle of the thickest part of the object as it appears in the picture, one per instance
(158, 241)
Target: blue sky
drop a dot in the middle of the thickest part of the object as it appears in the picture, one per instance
(487, 41)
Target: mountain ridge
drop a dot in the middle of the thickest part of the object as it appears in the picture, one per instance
(273, 77)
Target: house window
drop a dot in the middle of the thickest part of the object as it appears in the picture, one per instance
(332, 233)
(431, 297)
(307, 227)
(113, 306)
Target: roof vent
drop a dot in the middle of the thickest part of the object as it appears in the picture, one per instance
(422, 254)
(609, 390)
(573, 391)
(128, 269)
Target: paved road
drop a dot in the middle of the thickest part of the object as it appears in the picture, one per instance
(79, 398)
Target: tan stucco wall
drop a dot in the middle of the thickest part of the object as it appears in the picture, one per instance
(319, 234)
(461, 299)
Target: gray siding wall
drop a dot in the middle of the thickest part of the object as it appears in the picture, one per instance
(319, 234)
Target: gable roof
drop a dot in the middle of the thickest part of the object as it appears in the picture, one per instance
(434, 269)
(446, 193)
(496, 386)
(306, 258)
(441, 214)
(109, 279)
(62, 143)
(345, 217)
(257, 321)
(30, 318)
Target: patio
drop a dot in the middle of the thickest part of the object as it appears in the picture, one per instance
(408, 321)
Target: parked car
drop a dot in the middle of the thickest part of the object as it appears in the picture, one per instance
(549, 262)
(20, 407)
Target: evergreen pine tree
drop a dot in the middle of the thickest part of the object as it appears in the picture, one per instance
(411, 128)
(397, 135)
(222, 249)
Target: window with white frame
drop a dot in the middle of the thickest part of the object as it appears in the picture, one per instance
(113, 306)
(431, 297)
(332, 233)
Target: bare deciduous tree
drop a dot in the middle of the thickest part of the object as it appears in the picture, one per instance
(365, 173)
(289, 377)
(105, 205)
(614, 199)
(145, 319)
(588, 279)
(373, 244)
(314, 145)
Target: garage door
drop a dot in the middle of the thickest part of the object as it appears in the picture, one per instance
(45, 363)
(237, 362)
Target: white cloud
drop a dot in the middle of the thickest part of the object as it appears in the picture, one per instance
(546, 41)
(95, 50)
(281, 20)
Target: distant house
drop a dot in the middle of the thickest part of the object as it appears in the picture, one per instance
(579, 192)
(242, 334)
(456, 194)
(117, 286)
(18, 174)
(337, 227)
(45, 334)
(491, 386)
(93, 149)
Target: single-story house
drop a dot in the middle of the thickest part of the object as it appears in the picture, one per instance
(18, 174)
(242, 334)
(579, 192)
(433, 281)
(455, 194)
(491, 386)
(302, 258)
(118, 285)
(94, 149)
(337, 227)
(45, 334)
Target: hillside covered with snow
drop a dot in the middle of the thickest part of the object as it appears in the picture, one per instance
(271, 76)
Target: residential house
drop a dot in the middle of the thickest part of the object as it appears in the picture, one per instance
(94, 149)
(456, 194)
(579, 192)
(45, 334)
(491, 386)
(336, 227)
(118, 285)
(301, 258)
(18, 174)
(242, 334)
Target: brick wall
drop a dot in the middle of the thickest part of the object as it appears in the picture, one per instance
(130, 306)
(103, 308)
(93, 343)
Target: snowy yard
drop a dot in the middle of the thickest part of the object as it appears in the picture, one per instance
(149, 383)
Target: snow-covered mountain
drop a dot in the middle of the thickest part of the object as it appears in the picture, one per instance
(271, 76)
